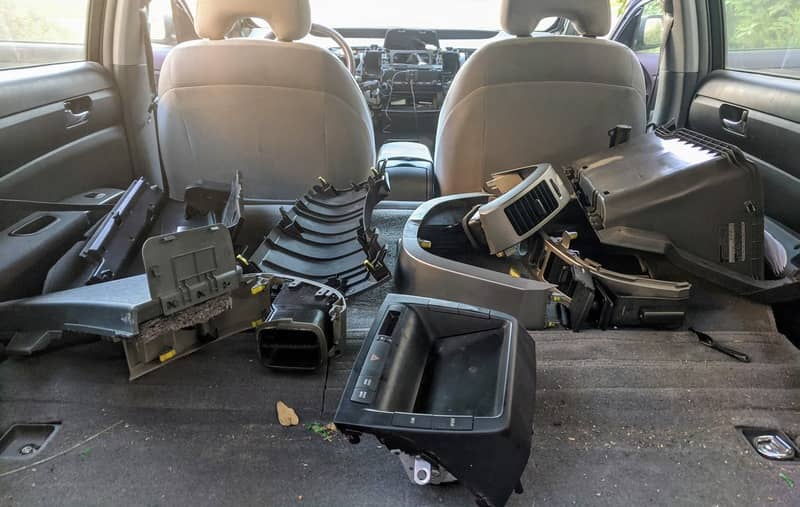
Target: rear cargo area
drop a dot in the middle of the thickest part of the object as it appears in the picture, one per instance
(622, 418)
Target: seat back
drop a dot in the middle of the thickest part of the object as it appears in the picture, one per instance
(282, 113)
(526, 100)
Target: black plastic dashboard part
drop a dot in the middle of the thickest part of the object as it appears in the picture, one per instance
(327, 236)
(123, 231)
(695, 199)
(451, 384)
(303, 328)
(410, 39)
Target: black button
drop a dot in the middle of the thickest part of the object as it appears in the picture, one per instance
(452, 423)
(376, 359)
(362, 396)
(411, 420)
(367, 382)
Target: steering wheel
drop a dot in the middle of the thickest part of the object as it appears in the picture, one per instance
(323, 31)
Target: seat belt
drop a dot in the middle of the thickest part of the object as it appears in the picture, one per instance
(669, 22)
(152, 108)
(183, 21)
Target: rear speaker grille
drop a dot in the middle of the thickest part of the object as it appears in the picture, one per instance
(529, 210)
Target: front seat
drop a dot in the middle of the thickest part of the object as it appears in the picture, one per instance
(528, 99)
(280, 112)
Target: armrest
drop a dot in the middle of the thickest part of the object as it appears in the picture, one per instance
(410, 169)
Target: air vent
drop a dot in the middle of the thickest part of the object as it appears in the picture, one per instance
(529, 210)
(526, 204)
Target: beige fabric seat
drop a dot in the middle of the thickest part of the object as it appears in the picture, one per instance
(525, 100)
(281, 112)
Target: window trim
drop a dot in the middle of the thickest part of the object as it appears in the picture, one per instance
(95, 21)
(719, 43)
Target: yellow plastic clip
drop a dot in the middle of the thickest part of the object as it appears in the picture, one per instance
(256, 289)
(166, 356)
(424, 243)
(242, 260)
(256, 323)
(370, 266)
(513, 273)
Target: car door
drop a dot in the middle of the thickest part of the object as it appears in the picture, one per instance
(641, 28)
(752, 99)
(171, 22)
(61, 131)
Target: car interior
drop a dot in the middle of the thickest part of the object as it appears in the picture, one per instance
(492, 252)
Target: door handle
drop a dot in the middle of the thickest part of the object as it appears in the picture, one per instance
(77, 111)
(736, 125)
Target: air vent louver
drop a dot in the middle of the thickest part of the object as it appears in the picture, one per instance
(529, 210)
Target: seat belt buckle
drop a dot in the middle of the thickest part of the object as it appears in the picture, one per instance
(153, 106)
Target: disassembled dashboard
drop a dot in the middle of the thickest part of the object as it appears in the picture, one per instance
(583, 245)
(409, 76)
(446, 376)
(188, 287)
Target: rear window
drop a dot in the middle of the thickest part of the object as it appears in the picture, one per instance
(38, 32)
(763, 36)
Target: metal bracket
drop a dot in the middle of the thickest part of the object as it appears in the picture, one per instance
(421, 472)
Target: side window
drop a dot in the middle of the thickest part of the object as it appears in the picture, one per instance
(162, 29)
(763, 36)
(641, 28)
(649, 29)
(42, 32)
(165, 28)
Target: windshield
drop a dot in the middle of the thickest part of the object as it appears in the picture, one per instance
(438, 14)
(433, 14)
(441, 14)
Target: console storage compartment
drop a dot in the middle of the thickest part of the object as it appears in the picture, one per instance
(448, 384)
(410, 169)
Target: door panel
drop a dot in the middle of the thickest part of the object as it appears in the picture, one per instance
(61, 137)
(761, 115)
(61, 132)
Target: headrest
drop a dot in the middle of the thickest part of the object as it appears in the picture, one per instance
(590, 17)
(289, 19)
